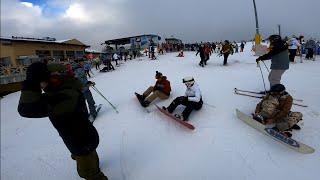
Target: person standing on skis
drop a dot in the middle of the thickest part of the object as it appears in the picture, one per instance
(80, 75)
(279, 59)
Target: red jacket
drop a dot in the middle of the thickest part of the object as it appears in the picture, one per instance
(163, 85)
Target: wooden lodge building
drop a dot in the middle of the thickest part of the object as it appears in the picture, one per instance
(17, 51)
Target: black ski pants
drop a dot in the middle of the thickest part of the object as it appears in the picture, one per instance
(202, 60)
(309, 53)
(292, 54)
(225, 58)
(190, 105)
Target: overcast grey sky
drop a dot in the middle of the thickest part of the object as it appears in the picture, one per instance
(94, 21)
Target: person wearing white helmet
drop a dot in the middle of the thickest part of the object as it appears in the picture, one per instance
(192, 99)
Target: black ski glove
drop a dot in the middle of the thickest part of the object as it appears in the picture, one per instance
(157, 87)
(37, 72)
(28, 85)
(182, 99)
(258, 59)
(91, 83)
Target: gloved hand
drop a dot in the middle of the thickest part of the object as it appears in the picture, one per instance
(182, 99)
(91, 83)
(257, 60)
(28, 85)
(157, 87)
(37, 72)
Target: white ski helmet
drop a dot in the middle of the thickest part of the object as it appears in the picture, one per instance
(188, 81)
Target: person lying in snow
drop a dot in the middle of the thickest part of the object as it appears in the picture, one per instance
(274, 109)
(180, 54)
(192, 99)
(161, 90)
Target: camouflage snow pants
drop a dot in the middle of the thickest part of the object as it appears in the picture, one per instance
(269, 107)
(292, 119)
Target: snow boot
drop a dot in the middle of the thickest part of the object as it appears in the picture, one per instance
(145, 103)
(287, 134)
(140, 97)
(296, 127)
(164, 108)
(180, 117)
(276, 129)
(258, 118)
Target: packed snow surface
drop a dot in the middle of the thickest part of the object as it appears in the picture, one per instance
(136, 145)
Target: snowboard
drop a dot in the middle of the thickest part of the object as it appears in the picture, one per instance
(184, 123)
(92, 119)
(289, 142)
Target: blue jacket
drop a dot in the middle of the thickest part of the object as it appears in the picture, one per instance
(81, 76)
(87, 66)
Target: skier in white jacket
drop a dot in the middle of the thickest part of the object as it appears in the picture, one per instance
(293, 45)
(192, 99)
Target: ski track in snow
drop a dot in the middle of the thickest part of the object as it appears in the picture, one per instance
(123, 164)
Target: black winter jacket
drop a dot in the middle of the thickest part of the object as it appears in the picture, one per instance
(65, 106)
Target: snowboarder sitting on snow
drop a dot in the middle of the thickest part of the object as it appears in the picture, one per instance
(180, 54)
(192, 99)
(161, 90)
(64, 104)
(275, 108)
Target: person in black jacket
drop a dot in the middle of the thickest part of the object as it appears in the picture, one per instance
(202, 55)
(279, 59)
(64, 104)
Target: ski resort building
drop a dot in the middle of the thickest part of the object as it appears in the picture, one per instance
(17, 51)
(134, 42)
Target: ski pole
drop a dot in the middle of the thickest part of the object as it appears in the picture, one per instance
(260, 97)
(266, 66)
(94, 88)
(264, 84)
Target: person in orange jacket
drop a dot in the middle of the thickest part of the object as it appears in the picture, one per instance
(161, 90)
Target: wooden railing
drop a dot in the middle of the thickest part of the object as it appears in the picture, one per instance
(12, 74)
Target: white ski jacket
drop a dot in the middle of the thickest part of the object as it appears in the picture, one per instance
(293, 43)
(115, 56)
(193, 93)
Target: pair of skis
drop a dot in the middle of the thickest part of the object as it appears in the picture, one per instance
(256, 95)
